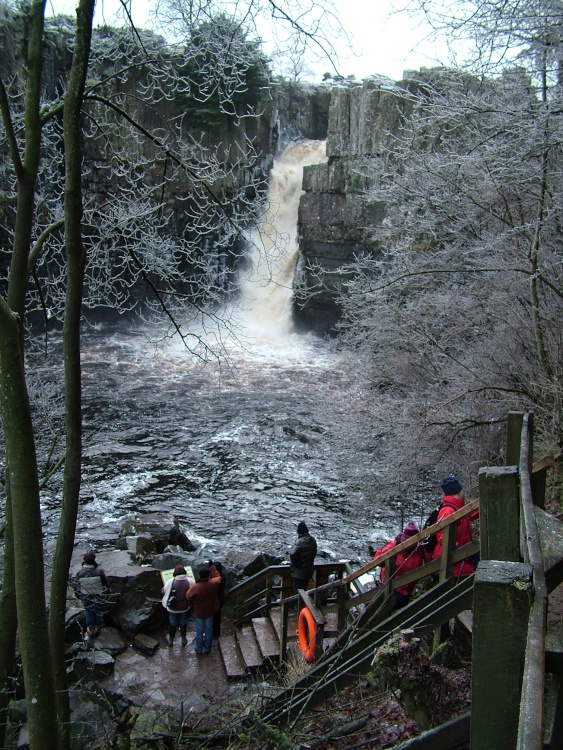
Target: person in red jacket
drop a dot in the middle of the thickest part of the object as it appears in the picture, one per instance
(453, 500)
(205, 603)
(405, 562)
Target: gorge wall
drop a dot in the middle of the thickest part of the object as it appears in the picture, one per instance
(337, 219)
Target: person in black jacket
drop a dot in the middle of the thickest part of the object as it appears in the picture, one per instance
(302, 558)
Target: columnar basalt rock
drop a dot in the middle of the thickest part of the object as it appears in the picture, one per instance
(336, 216)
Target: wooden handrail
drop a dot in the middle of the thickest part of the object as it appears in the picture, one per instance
(351, 577)
(530, 726)
(468, 509)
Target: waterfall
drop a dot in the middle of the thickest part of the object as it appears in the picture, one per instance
(266, 284)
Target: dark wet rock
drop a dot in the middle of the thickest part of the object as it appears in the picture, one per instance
(172, 556)
(195, 703)
(93, 665)
(145, 644)
(23, 738)
(142, 546)
(89, 722)
(245, 564)
(135, 599)
(152, 723)
(109, 560)
(111, 640)
(163, 529)
(75, 624)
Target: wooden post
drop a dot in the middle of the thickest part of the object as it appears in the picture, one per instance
(499, 518)
(342, 595)
(389, 567)
(514, 422)
(502, 599)
(448, 544)
(284, 620)
(539, 480)
(446, 570)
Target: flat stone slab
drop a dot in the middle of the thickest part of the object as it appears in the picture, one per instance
(145, 643)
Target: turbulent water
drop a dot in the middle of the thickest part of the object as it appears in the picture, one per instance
(238, 448)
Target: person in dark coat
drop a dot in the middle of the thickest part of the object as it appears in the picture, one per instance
(205, 604)
(302, 557)
(93, 586)
(178, 609)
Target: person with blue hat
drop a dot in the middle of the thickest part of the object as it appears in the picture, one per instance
(454, 500)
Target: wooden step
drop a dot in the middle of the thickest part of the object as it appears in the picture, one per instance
(266, 637)
(232, 658)
(275, 619)
(249, 648)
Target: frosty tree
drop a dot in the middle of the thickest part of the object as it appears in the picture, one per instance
(458, 321)
(65, 250)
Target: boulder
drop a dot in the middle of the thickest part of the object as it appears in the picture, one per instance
(75, 624)
(142, 547)
(163, 529)
(145, 644)
(173, 555)
(92, 665)
(135, 599)
(111, 640)
(89, 722)
(241, 565)
(133, 604)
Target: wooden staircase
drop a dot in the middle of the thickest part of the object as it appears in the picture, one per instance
(256, 646)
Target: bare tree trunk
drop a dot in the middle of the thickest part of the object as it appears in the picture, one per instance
(8, 618)
(542, 351)
(72, 368)
(25, 527)
(27, 535)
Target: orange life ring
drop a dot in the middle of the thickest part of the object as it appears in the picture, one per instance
(307, 634)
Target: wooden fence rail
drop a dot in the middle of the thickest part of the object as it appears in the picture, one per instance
(510, 602)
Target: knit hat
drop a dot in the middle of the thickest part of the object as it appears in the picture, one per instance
(302, 528)
(203, 573)
(90, 558)
(179, 570)
(410, 530)
(451, 485)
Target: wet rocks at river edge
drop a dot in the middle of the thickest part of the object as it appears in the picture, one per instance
(102, 702)
(147, 545)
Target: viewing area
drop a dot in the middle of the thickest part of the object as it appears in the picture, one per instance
(517, 673)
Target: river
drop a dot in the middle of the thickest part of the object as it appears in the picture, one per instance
(240, 447)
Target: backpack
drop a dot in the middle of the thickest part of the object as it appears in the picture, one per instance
(431, 541)
(171, 601)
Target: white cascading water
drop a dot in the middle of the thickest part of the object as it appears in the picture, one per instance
(257, 327)
(266, 285)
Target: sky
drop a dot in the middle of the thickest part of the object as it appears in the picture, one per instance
(384, 43)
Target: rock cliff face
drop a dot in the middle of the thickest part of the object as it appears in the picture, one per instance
(336, 219)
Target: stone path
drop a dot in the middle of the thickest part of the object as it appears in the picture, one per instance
(172, 677)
